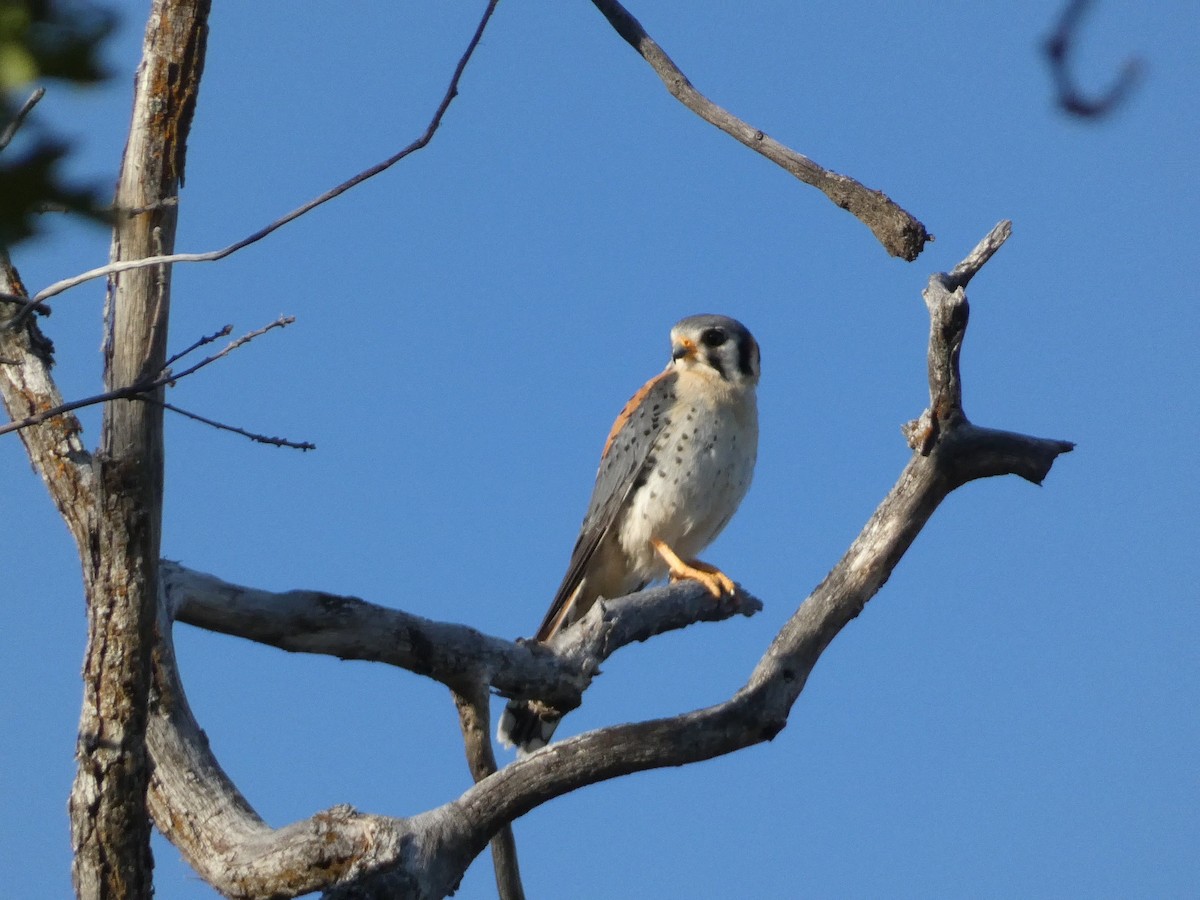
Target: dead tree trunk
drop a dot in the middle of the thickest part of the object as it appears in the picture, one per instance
(110, 830)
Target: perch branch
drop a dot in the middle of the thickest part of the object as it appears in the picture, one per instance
(759, 710)
(214, 255)
(900, 233)
(231, 848)
(455, 655)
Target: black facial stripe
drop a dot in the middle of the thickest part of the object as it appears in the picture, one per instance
(714, 359)
(747, 350)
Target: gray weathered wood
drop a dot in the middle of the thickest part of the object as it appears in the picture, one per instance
(458, 656)
(110, 831)
(55, 447)
(900, 232)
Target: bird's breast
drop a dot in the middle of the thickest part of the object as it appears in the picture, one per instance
(698, 471)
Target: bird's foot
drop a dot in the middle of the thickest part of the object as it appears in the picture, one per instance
(714, 580)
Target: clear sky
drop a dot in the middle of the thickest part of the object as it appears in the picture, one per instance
(1014, 715)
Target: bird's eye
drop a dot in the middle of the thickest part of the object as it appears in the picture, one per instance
(713, 337)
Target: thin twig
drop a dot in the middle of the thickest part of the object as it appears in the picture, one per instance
(899, 232)
(1058, 52)
(168, 378)
(139, 389)
(260, 438)
(10, 130)
(216, 335)
(213, 255)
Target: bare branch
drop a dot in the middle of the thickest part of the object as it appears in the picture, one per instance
(948, 314)
(991, 452)
(1058, 51)
(168, 378)
(221, 426)
(962, 274)
(474, 717)
(200, 342)
(11, 129)
(67, 407)
(360, 855)
(214, 255)
(455, 655)
(900, 233)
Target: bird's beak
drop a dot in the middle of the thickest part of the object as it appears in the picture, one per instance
(684, 349)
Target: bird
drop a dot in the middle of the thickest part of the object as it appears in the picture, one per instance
(676, 465)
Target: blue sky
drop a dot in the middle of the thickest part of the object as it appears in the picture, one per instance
(1013, 715)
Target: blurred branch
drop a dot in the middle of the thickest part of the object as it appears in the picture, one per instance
(1058, 52)
(215, 255)
(900, 233)
(10, 130)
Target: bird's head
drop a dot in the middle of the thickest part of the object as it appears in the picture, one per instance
(716, 344)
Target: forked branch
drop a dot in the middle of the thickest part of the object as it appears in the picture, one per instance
(229, 845)
(145, 388)
(356, 855)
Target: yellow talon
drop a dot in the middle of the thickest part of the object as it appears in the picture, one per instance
(714, 580)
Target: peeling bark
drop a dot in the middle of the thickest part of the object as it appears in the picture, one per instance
(110, 830)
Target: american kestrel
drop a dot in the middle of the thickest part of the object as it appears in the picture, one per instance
(676, 464)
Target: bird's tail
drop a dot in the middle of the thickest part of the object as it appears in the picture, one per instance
(525, 727)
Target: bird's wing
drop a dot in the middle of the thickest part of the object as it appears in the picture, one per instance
(623, 464)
